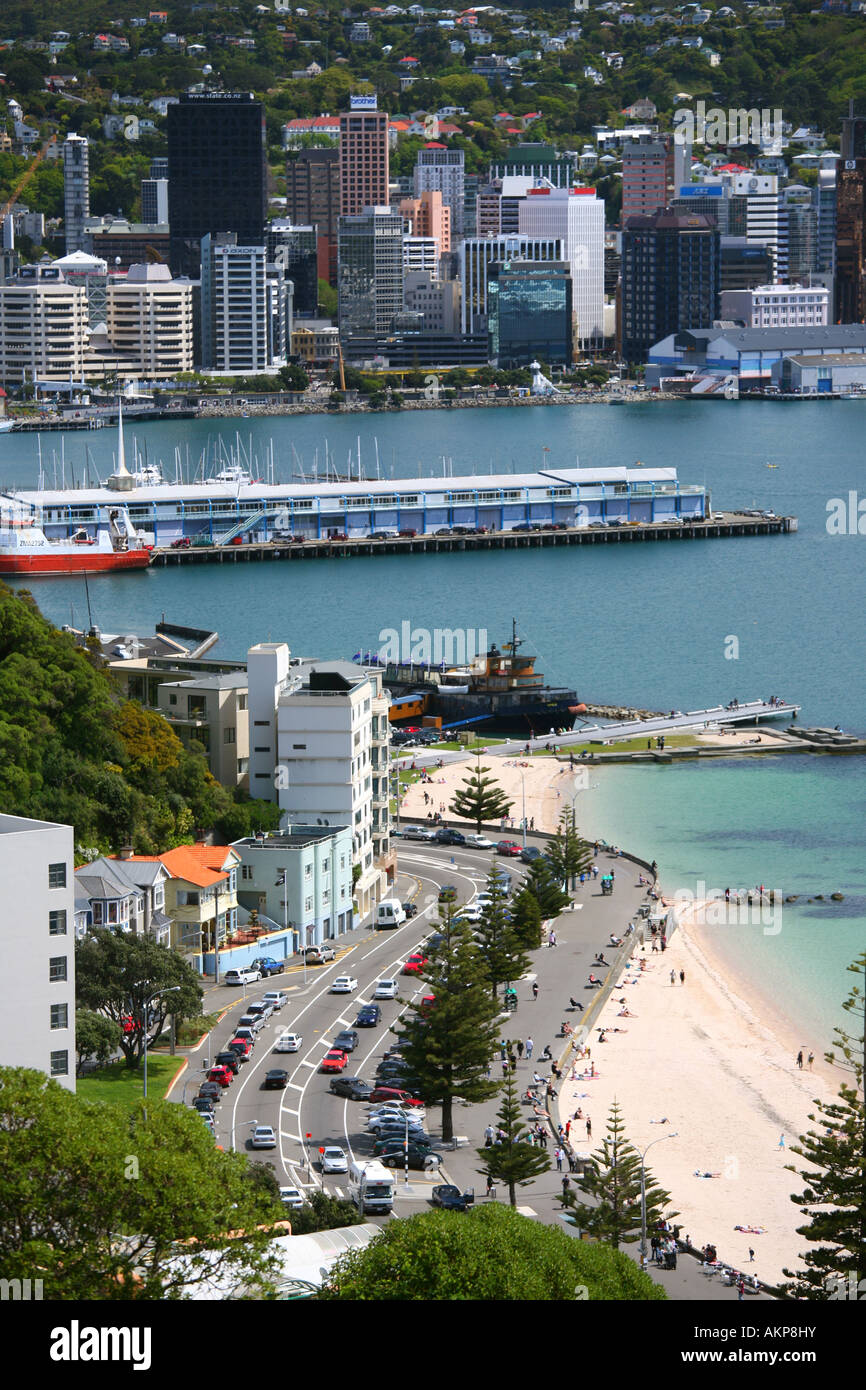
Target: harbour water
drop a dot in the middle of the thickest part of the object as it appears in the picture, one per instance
(680, 624)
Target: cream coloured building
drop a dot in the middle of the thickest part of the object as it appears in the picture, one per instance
(43, 327)
(150, 320)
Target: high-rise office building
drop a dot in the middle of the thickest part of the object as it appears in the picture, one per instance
(370, 281)
(294, 250)
(217, 173)
(439, 170)
(154, 200)
(851, 221)
(576, 217)
(313, 189)
(653, 167)
(236, 328)
(824, 199)
(670, 278)
(529, 313)
(363, 157)
(76, 191)
(428, 216)
(478, 254)
(743, 266)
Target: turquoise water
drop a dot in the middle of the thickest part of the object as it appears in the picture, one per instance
(643, 624)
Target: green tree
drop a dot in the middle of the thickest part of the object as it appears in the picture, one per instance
(514, 1159)
(323, 1212)
(294, 378)
(490, 1254)
(99, 1202)
(480, 798)
(116, 973)
(568, 854)
(541, 882)
(613, 1182)
(503, 956)
(526, 919)
(95, 1036)
(834, 1198)
(448, 1045)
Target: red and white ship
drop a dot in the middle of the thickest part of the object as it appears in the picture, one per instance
(25, 548)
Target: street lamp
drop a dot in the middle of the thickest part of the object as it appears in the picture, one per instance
(282, 882)
(169, 989)
(660, 1140)
(523, 790)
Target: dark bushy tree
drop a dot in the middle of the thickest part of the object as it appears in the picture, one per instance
(480, 798)
(514, 1160)
(613, 1182)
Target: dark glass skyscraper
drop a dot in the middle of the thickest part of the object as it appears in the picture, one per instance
(529, 313)
(670, 278)
(216, 173)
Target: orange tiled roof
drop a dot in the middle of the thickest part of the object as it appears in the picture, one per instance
(198, 864)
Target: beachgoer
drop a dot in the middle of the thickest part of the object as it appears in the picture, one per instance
(751, 1256)
(535, 989)
(673, 975)
(588, 1123)
(810, 1059)
(800, 1059)
(781, 1143)
(682, 977)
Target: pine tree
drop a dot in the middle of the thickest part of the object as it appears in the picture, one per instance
(449, 1043)
(526, 919)
(503, 955)
(568, 854)
(541, 883)
(613, 1182)
(834, 1199)
(514, 1160)
(480, 798)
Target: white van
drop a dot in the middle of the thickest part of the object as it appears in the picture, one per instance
(390, 913)
(371, 1186)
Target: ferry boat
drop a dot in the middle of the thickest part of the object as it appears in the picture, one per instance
(500, 690)
(25, 548)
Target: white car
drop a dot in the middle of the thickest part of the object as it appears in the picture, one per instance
(344, 984)
(334, 1160)
(392, 1109)
(477, 842)
(275, 997)
(254, 1021)
(386, 989)
(288, 1042)
(263, 1137)
(241, 977)
(473, 912)
(391, 1117)
(291, 1197)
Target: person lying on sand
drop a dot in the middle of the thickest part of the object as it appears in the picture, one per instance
(706, 1175)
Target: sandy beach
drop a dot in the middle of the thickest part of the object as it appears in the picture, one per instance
(706, 1059)
(712, 1057)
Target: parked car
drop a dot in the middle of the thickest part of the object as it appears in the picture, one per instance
(352, 1087)
(508, 848)
(344, 984)
(409, 533)
(268, 966)
(263, 1137)
(334, 1060)
(275, 997)
(477, 842)
(222, 1075)
(228, 1059)
(318, 955)
(288, 1042)
(346, 1041)
(421, 1159)
(182, 543)
(395, 1093)
(276, 1080)
(385, 989)
(419, 832)
(446, 836)
(292, 1197)
(247, 976)
(368, 1016)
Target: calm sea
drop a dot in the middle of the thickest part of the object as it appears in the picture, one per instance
(654, 625)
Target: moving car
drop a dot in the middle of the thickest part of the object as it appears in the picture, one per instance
(242, 1048)
(414, 965)
(385, 989)
(450, 1198)
(334, 1061)
(255, 1023)
(529, 854)
(263, 1137)
(291, 1197)
(447, 893)
(210, 1090)
(352, 1087)
(203, 1104)
(242, 977)
(246, 1034)
(275, 997)
(260, 1010)
(228, 1059)
(334, 1159)
(508, 848)
(318, 955)
(346, 1041)
(276, 1080)
(368, 1016)
(410, 909)
(344, 984)
(288, 1042)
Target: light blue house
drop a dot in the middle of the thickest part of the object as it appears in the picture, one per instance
(300, 878)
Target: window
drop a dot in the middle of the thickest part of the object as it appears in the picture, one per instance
(229, 735)
(60, 1063)
(302, 746)
(57, 968)
(59, 1016)
(56, 875)
(308, 904)
(261, 723)
(172, 699)
(242, 702)
(57, 922)
(246, 871)
(326, 866)
(262, 748)
(326, 896)
(308, 871)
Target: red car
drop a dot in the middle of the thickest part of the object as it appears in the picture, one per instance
(221, 1074)
(392, 1093)
(335, 1060)
(414, 965)
(241, 1047)
(508, 847)
(182, 543)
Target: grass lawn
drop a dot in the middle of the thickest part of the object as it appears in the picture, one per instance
(118, 1085)
(625, 745)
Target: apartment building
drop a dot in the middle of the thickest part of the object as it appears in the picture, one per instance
(76, 190)
(777, 306)
(364, 157)
(43, 322)
(235, 309)
(211, 710)
(150, 320)
(37, 984)
(301, 879)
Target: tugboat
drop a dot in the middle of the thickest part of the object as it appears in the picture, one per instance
(499, 691)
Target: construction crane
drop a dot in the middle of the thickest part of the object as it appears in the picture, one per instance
(342, 370)
(24, 180)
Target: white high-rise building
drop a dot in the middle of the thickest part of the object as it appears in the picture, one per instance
(76, 191)
(576, 218)
(236, 308)
(477, 254)
(443, 171)
(37, 927)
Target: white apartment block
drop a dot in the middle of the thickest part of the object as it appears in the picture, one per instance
(150, 320)
(778, 306)
(235, 306)
(421, 253)
(43, 326)
(577, 220)
(37, 983)
(318, 736)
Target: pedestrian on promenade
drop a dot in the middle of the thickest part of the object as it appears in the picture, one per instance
(504, 1067)
(673, 975)
(552, 942)
(535, 989)
(529, 1046)
(682, 977)
(488, 1136)
(800, 1059)
(491, 1189)
(489, 1069)
(567, 1130)
(588, 1127)
(595, 871)
(503, 1048)
(513, 1063)
(741, 1288)
(566, 1184)
(520, 1048)
(532, 822)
